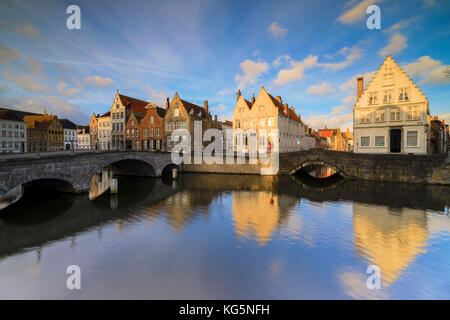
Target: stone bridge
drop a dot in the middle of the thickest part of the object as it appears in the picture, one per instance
(376, 167)
(74, 170)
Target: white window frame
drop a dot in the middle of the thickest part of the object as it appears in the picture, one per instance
(417, 138)
(361, 138)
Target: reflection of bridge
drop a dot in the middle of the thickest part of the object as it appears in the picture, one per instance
(377, 167)
(73, 171)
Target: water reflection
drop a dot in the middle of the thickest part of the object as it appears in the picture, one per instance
(101, 182)
(390, 238)
(237, 236)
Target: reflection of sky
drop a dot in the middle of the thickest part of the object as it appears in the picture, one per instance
(311, 253)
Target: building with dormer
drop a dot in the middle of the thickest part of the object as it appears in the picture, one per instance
(259, 118)
(182, 114)
(120, 112)
(392, 115)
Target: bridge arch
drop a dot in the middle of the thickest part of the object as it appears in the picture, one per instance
(61, 182)
(321, 162)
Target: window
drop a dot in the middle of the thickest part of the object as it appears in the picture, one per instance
(145, 132)
(379, 141)
(252, 123)
(413, 113)
(395, 114)
(388, 96)
(176, 125)
(262, 140)
(132, 122)
(403, 94)
(262, 122)
(151, 120)
(373, 98)
(365, 117)
(271, 122)
(183, 124)
(365, 141)
(261, 108)
(169, 125)
(151, 132)
(379, 116)
(411, 139)
(388, 79)
(176, 112)
(137, 145)
(157, 132)
(137, 133)
(241, 110)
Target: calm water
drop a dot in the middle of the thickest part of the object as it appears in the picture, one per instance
(229, 236)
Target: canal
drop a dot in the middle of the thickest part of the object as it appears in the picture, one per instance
(207, 236)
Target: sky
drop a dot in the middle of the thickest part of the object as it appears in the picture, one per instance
(308, 52)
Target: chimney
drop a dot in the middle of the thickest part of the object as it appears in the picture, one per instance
(306, 128)
(285, 109)
(215, 118)
(253, 99)
(310, 131)
(238, 95)
(279, 99)
(167, 103)
(359, 88)
(205, 103)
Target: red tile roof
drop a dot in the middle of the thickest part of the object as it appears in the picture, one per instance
(134, 104)
(196, 109)
(326, 133)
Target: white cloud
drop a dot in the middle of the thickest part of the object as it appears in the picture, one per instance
(335, 120)
(7, 54)
(276, 30)
(397, 42)
(399, 25)
(354, 54)
(226, 91)
(429, 3)
(251, 71)
(67, 92)
(98, 81)
(26, 82)
(356, 13)
(428, 70)
(296, 72)
(52, 104)
(158, 97)
(28, 31)
(320, 89)
(218, 108)
(34, 66)
(350, 84)
(279, 61)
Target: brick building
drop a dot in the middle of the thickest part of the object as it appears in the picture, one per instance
(152, 128)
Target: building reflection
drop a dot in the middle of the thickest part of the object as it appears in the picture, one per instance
(260, 214)
(101, 182)
(389, 238)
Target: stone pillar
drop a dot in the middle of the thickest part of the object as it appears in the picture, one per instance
(114, 188)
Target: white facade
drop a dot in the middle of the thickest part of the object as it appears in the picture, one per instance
(260, 120)
(13, 136)
(84, 139)
(104, 132)
(70, 139)
(391, 115)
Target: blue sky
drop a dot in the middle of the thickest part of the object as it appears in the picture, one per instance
(308, 52)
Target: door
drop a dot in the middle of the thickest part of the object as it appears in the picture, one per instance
(396, 140)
